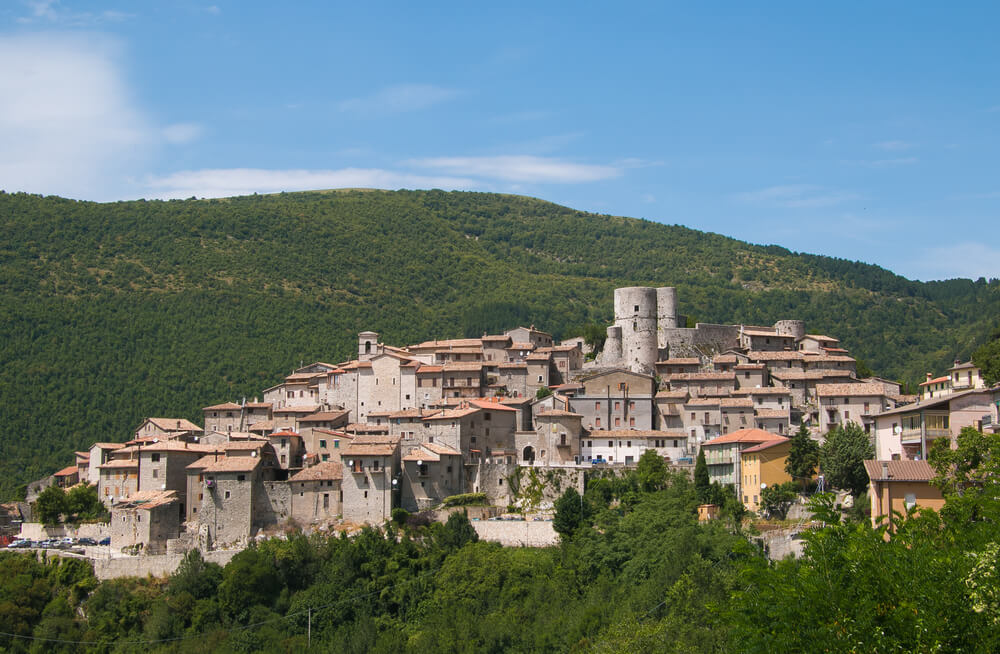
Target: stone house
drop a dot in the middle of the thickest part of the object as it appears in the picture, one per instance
(538, 372)
(857, 402)
(430, 473)
(118, 479)
(147, 519)
(555, 440)
(750, 375)
(388, 384)
(669, 408)
(229, 501)
(336, 419)
(513, 377)
(736, 413)
(494, 348)
(327, 444)
(703, 384)
(818, 343)
(100, 453)
(529, 335)
(315, 493)
(722, 455)
(370, 479)
(288, 448)
(677, 366)
(256, 412)
(463, 380)
(778, 360)
(615, 399)
(518, 351)
(224, 417)
(430, 385)
(766, 340)
(288, 417)
(166, 429)
(702, 417)
(840, 362)
(776, 421)
(565, 359)
(725, 362)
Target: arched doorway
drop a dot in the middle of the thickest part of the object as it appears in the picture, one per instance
(528, 455)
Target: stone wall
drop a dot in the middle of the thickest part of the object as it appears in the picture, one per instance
(158, 565)
(517, 533)
(38, 531)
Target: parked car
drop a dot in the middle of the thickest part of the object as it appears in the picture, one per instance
(20, 542)
(86, 540)
(104, 541)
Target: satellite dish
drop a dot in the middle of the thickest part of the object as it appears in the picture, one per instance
(350, 462)
(420, 462)
(763, 486)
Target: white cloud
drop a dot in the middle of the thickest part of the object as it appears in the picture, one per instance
(228, 182)
(895, 146)
(67, 122)
(971, 260)
(521, 168)
(399, 99)
(796, 196)
(52, 11)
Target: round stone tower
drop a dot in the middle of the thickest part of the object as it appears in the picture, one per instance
(666, 314)
(795, 328)
(636, 314)
(611, 355)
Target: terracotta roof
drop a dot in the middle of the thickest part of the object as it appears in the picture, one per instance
(324, 416)
(449, 343)
(440, 449)
(827, 390)
(703, 401)
(225, 406)
(120, 463)
(811, 357)
(233, 464)
(359, 427)
(702, 376)
(327, 470)
(517, 400)
(786, 374)
(174, 424)
(764, 390)
(749, 366)
(765, 445)
(412, 413)
(936, 380)
(835, 349)
(725, 358)
(900, 471)
(636, 433)
(66, 472)
(672, 395)
(376, 439)
(495, 337)
(284, 434)
(537, 356)
(775, 356)
(463, 366)
(557, 413)
(744, 436)
(820, 337)
(682, 361)
(204, 461)
(736, 402)
(764, 332)
(771, 413)
(262, 425)
(379, 414)
(307, 409)
(521, 346)
(365, 449)
(331, 432)
(109, 446)
(452, 414)
(304, 376)
(425, 369)
(148, 499)
(420, 454)
(490, 405)
(169, 446)
(243, 446)
(507, 366)
(465, 350)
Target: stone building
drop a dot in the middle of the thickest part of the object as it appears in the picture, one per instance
(430, 473)
(625, 446)
(555, 440)
(146, 519)
(166, 429)
(370, 479)
(315, 493)
(615, 399)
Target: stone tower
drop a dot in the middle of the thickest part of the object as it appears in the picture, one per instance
(367, 345)
(666, 315)
(636, 314)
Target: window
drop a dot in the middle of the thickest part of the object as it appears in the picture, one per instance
(631, 422)
(336, 445)
(618, 406)
(692, 416)
(227, 495)
(284, 442)
(156, 473)
(322, 444)
(597, 406)
(611, 443)
(636, 308)
(706, 417)
(375, 465)
(628, 443)
(911, 500)
(154, 457)
(325, 457)
(241, 477)
(597, 422)
(618, 422)
(326, 500)
(487, 416)
(631, 406)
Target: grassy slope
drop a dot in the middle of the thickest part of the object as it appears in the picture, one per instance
(113, 312)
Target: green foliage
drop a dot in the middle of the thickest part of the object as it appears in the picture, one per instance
(195, 576)
(465, 499)
(777, 499)
(91, 293)
(803, 457)
(543, 392)
(82, 503)
(569, 512)
(987, 359)
(399, 516)
(458, 531)
(702, 481)
(51, 505)
(842, 457)
(651, 471)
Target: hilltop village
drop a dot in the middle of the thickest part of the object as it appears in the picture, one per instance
(408, 426)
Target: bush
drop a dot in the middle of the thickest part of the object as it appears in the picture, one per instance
(465, 499)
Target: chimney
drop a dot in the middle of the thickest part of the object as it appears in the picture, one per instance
(929, 376)
(885, 469)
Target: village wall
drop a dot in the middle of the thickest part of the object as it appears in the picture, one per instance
(517, 533)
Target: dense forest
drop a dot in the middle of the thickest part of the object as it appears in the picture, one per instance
(634, 572)
(110, 313)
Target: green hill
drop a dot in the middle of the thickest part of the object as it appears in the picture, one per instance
(113, 312)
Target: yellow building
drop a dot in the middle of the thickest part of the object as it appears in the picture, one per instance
(762, 466)
(900, 486)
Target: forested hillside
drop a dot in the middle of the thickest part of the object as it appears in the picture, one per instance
(113, 312)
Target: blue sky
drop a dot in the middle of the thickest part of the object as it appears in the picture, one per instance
(866, 131)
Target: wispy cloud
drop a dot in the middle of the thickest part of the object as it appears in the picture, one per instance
(895, 146)
(52, 11)
(399, 99)
(971, 260)
(796, 196)
(226, 182)
(520, 168)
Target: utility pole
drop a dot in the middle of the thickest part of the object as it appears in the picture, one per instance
(309, 636)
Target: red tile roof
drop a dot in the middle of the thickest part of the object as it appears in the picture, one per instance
(744, 436)
(900, 471)
(778, 440)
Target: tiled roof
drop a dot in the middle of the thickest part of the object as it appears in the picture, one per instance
(537, 356)
(420, 454)
(508, 366)
(766, 445)
(258, 405)
(425, 369)
(749, 366)
(900, 471)
(452, 414)
(440, 449)
(450, 343)
(811, 357)
(744, 436)
(557, 413)
(774, 356)
(324, 416)
(147, 499)
(702, 376)
(364, 449)
(672, 395)
(120, 463)
(463, 366)
(66, 472)
(226, 406)
(174, 424)
(764, 332)
(496, 337)
(827, 390)
(327, 470)
(785, 374)
(935, 402)
(521, 346)
(725, 358)
(412, 413)
(490, 405)
(936, 380)
(771, 413)
(359, 427)
(635, 433)
(306, 408)
(703, 401)
(735, 402)
(962, 366)
(683, 361)
(764, 390)
(108, 446)
(233, 464)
